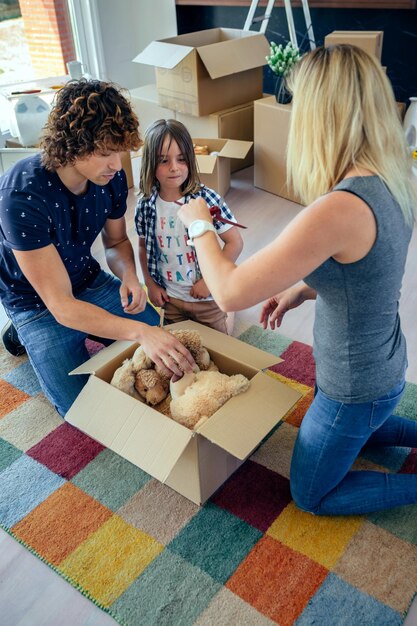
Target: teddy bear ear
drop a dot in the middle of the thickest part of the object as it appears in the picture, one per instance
(140, 361)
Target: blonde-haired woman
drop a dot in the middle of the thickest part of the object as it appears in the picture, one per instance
(347, 159)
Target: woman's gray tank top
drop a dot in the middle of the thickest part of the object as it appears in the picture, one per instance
(359, 348)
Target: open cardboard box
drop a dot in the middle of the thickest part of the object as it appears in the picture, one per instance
(232, 123)
(215, 169)
(194, 463)
(202, 72)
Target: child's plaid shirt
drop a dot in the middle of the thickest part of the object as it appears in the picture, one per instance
(145, 221)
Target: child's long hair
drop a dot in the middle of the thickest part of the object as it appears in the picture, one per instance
(344, 114)
(152, 149)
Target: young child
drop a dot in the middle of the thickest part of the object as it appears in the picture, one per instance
(168, 178)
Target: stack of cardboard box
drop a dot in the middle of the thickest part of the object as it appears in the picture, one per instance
(208, 80)
(271, 121)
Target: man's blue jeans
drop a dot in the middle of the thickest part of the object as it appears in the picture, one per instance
(55, 350)
(331, 437)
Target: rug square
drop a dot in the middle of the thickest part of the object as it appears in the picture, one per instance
(408, 404)
(8, 454)
(392, 458)
(61, 523)
(170, 592)
(11, 398)
(394, 580)
(159, 511)
(24, 378)
(24, 484)
(267, 340)
(276, 452)
(294, 384)
(337, 602)
(361, 464)
(110, 559)
(298, 364)
(277, 581)
(410, 463)
(8, 362)
(296, 414)
(255, 494)
(215, 541)
(110, 479)
(30, 423)
(227, 609)
(65, 451)
(321, 538)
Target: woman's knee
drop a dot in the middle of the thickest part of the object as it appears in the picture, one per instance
(304, 500)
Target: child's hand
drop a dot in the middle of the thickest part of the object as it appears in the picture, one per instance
(157, 295)
(195, 209)
(200, 290)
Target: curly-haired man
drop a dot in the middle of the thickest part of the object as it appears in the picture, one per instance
(52, 207)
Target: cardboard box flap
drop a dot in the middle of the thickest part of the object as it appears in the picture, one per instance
(241, 424)
(206, 163)
(101, 359)
(230, 148)
(236, 149)
(225, 344)
(235, 55)
(162, 54)
(129, 428)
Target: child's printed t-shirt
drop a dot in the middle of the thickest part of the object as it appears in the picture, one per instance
(176, 259)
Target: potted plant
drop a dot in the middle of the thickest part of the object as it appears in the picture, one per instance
(281, 59)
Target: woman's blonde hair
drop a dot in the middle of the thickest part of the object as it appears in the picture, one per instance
(152, 150)
(344, 115)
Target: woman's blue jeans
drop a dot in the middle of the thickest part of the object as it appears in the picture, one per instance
(331, 437)
(55, 350)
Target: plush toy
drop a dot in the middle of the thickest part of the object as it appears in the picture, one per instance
(193, 398)
(153, 387)
(124, 379)
(196, 397)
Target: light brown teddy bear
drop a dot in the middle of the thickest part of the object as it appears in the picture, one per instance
(192, 399)
(195, 397)
(153, 387)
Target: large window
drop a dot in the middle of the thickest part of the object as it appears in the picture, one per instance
(36, 40)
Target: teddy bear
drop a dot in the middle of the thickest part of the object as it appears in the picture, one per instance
(192, 399)
(195, 397)
(141, 379)
(152, 387)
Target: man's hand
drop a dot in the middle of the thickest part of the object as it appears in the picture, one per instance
(132, 295)
(167, 352)
(199, 290)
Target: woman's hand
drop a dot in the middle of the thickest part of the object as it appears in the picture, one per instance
(275, 308)
(195, 209)
(167, 352)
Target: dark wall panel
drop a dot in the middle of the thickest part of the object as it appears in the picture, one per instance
(400, 34)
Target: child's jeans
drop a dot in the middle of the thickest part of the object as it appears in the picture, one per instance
(330, 438)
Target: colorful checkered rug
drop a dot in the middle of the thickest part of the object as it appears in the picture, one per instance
(148, 556)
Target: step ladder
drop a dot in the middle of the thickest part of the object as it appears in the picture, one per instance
(250, 19)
